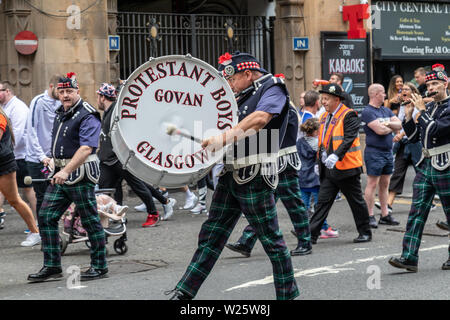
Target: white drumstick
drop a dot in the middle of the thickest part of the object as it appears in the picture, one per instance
(28, 180)
(172, 129)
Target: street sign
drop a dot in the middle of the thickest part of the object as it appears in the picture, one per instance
(301, 43)
(114, 43)
(26, 42)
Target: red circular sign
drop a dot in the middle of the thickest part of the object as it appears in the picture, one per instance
(26, 42)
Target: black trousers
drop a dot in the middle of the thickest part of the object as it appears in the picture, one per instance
(34, 170)
(111, 177)
(351, 188)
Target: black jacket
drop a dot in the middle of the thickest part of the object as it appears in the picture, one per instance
(106, 154)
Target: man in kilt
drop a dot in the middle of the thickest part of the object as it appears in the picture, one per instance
(75, 138)
(432, 129)
(288, 190)
(248, 180)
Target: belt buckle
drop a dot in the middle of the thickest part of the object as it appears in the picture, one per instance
(425, 153)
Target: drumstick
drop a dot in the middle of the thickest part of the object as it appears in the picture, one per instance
(28, 180)
(172, 129)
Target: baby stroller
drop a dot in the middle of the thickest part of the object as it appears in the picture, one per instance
(114, 225)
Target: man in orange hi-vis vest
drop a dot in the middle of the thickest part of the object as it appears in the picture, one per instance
(340, 163)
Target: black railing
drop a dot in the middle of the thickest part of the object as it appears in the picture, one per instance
(145, 35)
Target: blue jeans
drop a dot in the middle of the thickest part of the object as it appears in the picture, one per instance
(306, 198)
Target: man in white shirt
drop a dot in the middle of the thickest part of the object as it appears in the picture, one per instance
(39, 136)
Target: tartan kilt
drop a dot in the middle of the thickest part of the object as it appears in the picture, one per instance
(256, 200)
(427, 183)
(56, 201)
(288, 190)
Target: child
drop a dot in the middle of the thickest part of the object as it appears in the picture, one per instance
(307, 147)
(107, 208)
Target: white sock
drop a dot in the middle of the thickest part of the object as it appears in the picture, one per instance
(189, 194)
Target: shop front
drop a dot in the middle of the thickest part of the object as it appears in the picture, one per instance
(407, 35)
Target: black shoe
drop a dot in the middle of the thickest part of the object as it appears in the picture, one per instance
(373, 222)
(446, 265)
(178, 295)
(363, 238)
(403, 263)
(237, 247)
(46, 273)
(301, 250)
(93, 274)
(388, 220)
(443, 225)
(313, 240)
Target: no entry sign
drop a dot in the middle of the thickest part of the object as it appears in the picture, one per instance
(26, 42)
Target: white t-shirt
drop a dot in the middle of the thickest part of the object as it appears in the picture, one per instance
(17, 111)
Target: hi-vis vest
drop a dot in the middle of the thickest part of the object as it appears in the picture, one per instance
(335, 135)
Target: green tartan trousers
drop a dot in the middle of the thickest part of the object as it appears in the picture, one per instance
(256, 201)
(288, 190)
(56, 201)
(427, 183)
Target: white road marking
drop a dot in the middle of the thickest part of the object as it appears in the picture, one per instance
(332, 269)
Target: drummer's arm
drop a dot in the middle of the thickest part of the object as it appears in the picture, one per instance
(247, 127)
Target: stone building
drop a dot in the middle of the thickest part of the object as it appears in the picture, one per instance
(73, 36)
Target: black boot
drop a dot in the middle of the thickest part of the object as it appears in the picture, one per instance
(46, 273)
(302, 250)
(446, 265)
(238, 247)
(93, 274)
(403, 263)
(178, 295)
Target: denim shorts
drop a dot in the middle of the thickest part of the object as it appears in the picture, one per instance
(378, 162)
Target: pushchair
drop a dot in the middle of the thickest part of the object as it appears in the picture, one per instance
(114, 225)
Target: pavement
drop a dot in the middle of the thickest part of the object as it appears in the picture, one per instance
(157, 258)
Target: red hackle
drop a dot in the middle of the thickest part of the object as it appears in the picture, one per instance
(225, 57)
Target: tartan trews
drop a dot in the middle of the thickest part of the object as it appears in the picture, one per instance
(255, 199)
(56, 201)
(427, 183)
(288, 191)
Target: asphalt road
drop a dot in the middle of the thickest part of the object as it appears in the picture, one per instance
(157, 257)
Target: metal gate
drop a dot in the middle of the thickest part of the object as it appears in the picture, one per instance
(145, 35)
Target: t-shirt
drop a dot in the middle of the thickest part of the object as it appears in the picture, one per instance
(272, 101)
(373, 140)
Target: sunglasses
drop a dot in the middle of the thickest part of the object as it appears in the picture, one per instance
(3, 89)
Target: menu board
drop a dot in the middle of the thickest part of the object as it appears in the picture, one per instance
(349, 57)
(416, 30)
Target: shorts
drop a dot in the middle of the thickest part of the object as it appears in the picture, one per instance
(8, 167)
(22, 172)
(378, 163)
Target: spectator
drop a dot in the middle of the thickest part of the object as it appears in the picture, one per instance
(379, 123)
(8, 168)
(302, 102)
(406, 152)
(338, 78)
(311, 111)
(419, 76)
(394, 91)
(39, 136)
(17, 111)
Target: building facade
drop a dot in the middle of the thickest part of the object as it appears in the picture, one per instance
(73, 36)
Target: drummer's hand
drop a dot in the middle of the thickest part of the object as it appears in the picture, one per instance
(60, 177)
(213, 143)
(418, 102)
(46, 161)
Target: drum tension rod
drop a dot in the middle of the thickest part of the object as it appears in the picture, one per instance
(131, 154)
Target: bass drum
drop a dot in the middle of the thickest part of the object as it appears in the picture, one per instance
(167, 92)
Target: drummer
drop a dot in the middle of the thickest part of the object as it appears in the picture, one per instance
(249, 188)
(75, 138)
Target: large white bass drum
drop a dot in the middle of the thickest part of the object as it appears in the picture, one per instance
(165, 93)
